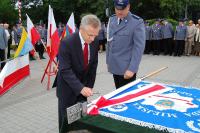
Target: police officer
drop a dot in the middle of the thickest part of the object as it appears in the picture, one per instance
(180, 37)
(156, 37)
(126, 42)
(167, 36)
(39, 45)
(148, 38)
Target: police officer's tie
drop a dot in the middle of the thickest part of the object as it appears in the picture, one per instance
(120, 20)
(85, 55)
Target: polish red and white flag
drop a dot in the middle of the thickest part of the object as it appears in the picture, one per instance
(53, 40)
(13, 72)
(33, 34)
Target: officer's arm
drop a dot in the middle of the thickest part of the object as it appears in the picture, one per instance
(162, 31)
(138, 46)
(171, 28)
(5, 38)
(108, 41)
(175, 33)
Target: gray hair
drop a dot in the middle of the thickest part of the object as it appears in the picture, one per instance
(91, 20)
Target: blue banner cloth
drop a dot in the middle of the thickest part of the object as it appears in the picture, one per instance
(176, 110)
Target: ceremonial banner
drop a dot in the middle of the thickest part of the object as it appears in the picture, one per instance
(172, 108)
(14, 71)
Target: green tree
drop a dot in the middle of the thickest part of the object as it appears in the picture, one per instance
(147, 9)
(178, 8)
(7, 12)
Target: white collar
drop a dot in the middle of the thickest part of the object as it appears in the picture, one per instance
(118, 19)
(82, 40)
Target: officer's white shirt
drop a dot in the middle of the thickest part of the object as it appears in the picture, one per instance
(118, 20)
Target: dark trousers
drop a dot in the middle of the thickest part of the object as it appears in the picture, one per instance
(9, 43)
(120, 81)
(62, 115)
(40, 49)
(179, 47)
(168, 46)
(2, 57)
(147, 47)
(156, 47)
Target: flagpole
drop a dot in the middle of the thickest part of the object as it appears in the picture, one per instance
(38, 57)
(56, 67)
(4, 61)
(43, 44)
(19, 11)
(153, 73)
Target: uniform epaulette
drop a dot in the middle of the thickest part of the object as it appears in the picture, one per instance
(135, 16)
(113, 15)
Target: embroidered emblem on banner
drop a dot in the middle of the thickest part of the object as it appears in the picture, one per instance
(175, 110)
(118, 108)
(170, 101)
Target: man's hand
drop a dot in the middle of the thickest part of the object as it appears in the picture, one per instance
(128, 74)
(86, 91)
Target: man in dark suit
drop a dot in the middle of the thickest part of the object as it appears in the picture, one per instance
(78, 59)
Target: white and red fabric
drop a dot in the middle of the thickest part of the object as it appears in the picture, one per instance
(132, 96)
(71, 24)
(70, 27)
(32, 32)
(53, 39)
(13, 72)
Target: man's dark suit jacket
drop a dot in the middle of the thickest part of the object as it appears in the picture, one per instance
(71, 76)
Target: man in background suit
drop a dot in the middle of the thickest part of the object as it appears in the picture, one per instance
(167, 36)
(78, 59)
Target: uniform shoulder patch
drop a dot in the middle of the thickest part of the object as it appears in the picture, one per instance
(113, 15)
(136, 17)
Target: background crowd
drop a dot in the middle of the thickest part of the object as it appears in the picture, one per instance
(161, 38)
(178, 40)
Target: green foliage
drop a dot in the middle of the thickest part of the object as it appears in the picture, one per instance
(178, 7)
(7, 12)
(173, 22)
(147, 9)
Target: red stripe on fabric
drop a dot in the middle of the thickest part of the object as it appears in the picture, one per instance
(102, 102)
(131, 96)
(32, 52)
(70, 30)
(171, 98)
(14, 78)
(35, 36)
(55, 42)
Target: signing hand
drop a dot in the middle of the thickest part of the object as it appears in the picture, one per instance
(128, 74)
(86, 91)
